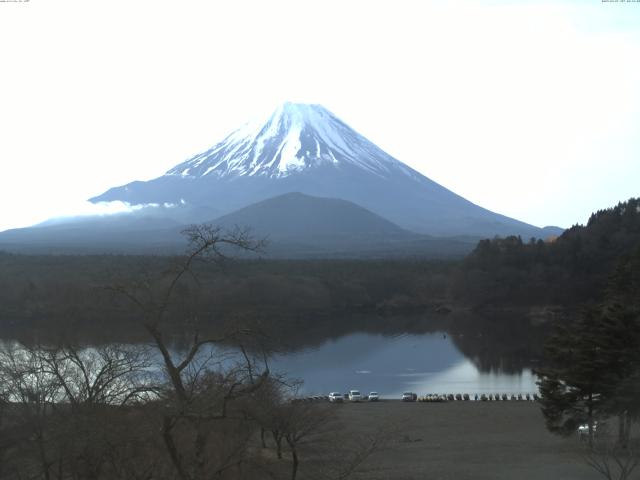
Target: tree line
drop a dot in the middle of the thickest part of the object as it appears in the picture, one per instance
(569, 270)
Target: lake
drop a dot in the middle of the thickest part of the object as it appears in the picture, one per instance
(485, 357)
(392, 364)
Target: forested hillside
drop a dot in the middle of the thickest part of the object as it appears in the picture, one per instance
(569, 270)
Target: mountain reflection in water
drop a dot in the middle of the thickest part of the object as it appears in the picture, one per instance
(423, 363)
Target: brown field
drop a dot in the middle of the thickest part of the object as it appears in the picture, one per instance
(464, 440)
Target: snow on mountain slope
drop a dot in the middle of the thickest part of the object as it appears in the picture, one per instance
(296, 137)
(305, 148)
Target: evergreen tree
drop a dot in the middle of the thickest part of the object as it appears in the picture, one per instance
(595, 361)
(621, 323)
(576, 385)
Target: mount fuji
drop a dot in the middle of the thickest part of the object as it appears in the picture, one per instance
(307, 149)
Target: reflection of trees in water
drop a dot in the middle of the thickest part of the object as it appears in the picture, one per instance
(504, 342)
(294, 304)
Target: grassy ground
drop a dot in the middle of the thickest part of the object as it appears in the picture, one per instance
(465, 440)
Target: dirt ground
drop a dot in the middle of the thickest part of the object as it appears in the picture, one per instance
(465, 440)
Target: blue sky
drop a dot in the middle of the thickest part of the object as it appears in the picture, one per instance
(530, 109)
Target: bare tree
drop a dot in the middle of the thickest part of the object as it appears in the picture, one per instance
(63, 405)
(300, 424)
(104, 375)
(206, 242)
(202, 382)
(32, 395)
(612, 461)
(312, 433)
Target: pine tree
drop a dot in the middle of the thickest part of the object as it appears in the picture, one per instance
(595, 361)
(575, 387)
(621, 325)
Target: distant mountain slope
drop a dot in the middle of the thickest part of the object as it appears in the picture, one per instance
(122, 233)
(299, 225)
(295, 215)
(296, 225)
(307, 149)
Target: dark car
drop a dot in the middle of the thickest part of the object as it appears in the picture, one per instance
(409, 397)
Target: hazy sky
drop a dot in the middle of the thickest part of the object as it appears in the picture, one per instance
(530, 109)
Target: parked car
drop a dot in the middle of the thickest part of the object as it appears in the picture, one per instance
(583, 430)
(336, 397)
(409, 397)
(354, 396)
(373, 397)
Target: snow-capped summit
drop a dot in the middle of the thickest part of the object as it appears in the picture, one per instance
(295, 137)
(307, 149)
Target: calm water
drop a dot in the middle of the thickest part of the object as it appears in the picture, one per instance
(390, 364)
(425, 363)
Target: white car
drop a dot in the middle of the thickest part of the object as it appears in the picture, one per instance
(354, 396)
(336, 397)
(583, 430)
(373, 397)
